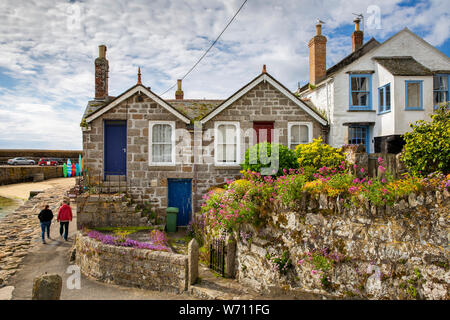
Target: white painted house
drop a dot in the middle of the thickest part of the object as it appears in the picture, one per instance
(372, 95)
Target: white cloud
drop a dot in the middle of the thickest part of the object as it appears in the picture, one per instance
(49, 48)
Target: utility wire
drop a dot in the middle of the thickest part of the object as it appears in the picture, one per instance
(206, 52)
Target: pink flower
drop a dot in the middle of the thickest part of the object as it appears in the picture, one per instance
(362, 170)
(381, 169)
(380, 160)
(300, 262)
(314, 271)
(383, 180)
(369, 182)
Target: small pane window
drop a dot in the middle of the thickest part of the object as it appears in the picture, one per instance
(440, 89)
(360, 92)
(384, 98)
(359, 135)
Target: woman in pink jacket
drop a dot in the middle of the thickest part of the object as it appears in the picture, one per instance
(64, 217)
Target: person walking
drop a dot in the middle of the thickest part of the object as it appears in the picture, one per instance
(64, 217)
(45, 216)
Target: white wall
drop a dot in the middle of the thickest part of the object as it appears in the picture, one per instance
(384, 123)
(405, 117)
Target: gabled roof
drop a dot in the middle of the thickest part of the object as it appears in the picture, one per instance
(138, 88)
(403, 66)
(264, 77)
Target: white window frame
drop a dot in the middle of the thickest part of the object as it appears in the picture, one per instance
(237, 125)
(307, 124)
(150, 141)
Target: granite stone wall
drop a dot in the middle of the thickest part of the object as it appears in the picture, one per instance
(95, 211)
(398, 252)
(146, 269)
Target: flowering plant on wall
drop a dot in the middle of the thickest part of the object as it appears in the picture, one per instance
(120, 241)
(254, 197)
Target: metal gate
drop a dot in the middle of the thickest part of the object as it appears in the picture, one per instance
(217, 252)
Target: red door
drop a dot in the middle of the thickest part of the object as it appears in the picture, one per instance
(263, 131)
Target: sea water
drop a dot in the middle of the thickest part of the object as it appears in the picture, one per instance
(8, 206)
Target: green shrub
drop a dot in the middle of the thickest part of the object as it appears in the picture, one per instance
(269, 159)
(427, 147)
(317, 155)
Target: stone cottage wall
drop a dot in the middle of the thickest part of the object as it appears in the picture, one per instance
(262, 103)
(149, 183)
(146, 269)
(386, 253)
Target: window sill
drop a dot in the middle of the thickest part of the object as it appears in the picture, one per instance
(227, 166)
(360, 110)
(414, 109)
(162, 165)
(383, 112)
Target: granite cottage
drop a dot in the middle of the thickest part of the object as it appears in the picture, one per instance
(170, 152)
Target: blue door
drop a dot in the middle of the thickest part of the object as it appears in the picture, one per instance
(180, 196)
(115, 148)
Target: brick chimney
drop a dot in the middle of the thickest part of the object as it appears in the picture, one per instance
(101, 74)
(179, 94)
(317, 56)
(357, 36)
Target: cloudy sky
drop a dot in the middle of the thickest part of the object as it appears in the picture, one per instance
(48, 47)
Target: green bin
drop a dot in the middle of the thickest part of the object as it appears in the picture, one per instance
(171, 219)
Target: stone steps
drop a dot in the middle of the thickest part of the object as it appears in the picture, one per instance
(214, 287)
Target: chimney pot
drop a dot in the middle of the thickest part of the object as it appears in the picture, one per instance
(139, 76)
(101, 74)
(264, 70)
(179, 94)
(318, 29)
(357, 36)
(102, 51)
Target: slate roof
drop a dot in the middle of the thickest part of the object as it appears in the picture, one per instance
(194, 109)
(403, 66)
(95, 105)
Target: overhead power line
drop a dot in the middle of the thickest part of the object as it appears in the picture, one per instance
(212, 45)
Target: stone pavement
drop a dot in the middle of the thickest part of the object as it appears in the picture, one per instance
(53, 257)
(20, 230)
(211, 286)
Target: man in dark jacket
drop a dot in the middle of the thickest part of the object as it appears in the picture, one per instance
(45, 216)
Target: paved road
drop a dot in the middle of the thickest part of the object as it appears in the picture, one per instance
(22, 190)
(53, 257)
